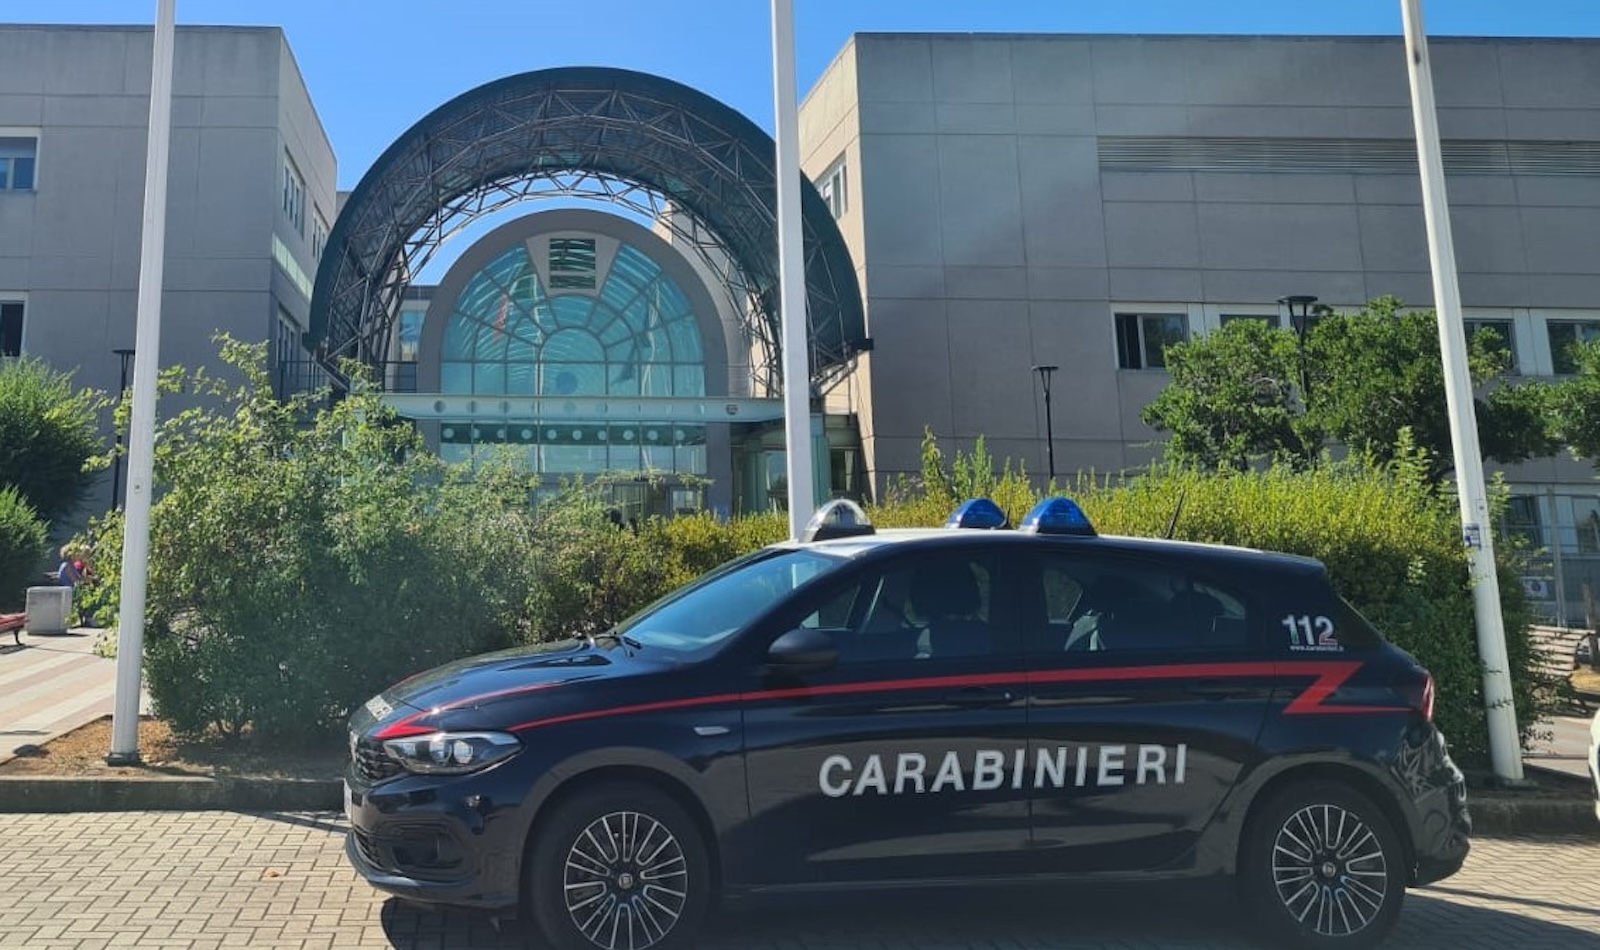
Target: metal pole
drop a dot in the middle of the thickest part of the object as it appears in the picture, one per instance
(116, 460)
(1504, 745)
(791, 272)
(1045, 372)
(142, 427)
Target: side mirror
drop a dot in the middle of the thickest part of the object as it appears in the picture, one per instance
(803, 651)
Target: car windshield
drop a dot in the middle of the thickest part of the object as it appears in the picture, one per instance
(727, 600)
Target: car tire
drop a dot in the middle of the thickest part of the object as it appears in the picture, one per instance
(618, 867)
(1321, 868)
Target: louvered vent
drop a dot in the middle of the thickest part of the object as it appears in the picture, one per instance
(1343, 156)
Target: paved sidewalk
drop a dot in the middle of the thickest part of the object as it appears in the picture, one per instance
(1567, 748)
(209, 880)
(52, 685)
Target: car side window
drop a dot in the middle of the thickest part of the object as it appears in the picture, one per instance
(1101, 605)
(934, 606)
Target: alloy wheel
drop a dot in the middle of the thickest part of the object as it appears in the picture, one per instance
(1330, 870)
(626, 881)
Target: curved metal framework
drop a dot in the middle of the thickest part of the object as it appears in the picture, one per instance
(656, 147)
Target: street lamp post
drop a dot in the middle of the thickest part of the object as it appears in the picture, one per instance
(1045, 372)
(116, 460)
(1299, 306)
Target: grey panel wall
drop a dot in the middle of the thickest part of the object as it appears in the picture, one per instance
(72, 245)
(985, 198)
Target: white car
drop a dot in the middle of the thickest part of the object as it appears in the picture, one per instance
(1594, 760)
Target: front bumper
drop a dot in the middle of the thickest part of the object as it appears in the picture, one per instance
(433, 841)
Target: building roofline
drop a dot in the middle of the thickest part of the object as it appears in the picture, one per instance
(1222, 37)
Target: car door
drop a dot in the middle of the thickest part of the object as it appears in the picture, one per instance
(902, 761)
(1147, 694)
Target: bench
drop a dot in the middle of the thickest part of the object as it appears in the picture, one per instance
(14, 624)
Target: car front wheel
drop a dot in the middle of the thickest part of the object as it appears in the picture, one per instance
(1322, 868)
(619, 867)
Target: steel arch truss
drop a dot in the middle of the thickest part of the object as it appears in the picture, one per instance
(653, 146)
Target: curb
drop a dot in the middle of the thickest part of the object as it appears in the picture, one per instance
(185, 793)
(1510, 817)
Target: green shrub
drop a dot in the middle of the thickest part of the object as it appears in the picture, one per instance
(22, 549)
(300, 562)
(51, 434)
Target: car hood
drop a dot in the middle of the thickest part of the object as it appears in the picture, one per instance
(506, 676)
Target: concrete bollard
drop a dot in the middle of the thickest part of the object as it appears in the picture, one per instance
(48, 609)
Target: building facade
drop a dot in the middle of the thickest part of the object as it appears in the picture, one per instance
(1078, 201)
(250, 203)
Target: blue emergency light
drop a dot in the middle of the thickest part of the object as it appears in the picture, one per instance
(840, 518)
(1058, 515)
(978, 513)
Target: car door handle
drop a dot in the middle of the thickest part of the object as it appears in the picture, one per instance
(977, 697)
(1219, 689)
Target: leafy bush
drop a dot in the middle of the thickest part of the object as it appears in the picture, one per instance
(22, 548)
(301, 562)
(96, 599)
(50, 431)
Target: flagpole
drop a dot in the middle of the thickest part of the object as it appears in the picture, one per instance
(142, 426)
(1505, 748)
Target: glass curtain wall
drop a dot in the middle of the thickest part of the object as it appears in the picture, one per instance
(628, 332)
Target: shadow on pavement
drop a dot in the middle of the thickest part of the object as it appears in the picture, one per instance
(1165, 917)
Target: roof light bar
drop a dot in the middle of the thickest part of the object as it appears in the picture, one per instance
(1058, 515)
(840, 518)
(978, 513)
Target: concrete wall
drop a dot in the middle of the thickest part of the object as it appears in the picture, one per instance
(993, 236)
(71, 246)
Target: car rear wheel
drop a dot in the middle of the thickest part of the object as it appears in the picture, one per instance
(619, 867)
(1322, 868)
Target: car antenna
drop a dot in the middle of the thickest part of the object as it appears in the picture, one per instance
(1173, 524)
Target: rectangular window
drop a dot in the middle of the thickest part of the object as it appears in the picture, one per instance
(1503, 338)
(17, 157)
(294, 194)
(1564, 334)
(1143, 338)
(834, 186)
(11, 328)
(319, 233)
(410, 334)
(1270, 319)
(1522, 522)
(572, 263)
(1091, 606)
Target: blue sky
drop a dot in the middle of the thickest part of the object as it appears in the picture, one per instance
(376, 66)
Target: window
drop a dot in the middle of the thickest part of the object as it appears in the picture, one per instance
(935, 607)
(1096, 606)
(1502, 342)
(1269, 319)
(1143, 338)
(572, 263)
(294, 194)
(11, 328)
(319, 234)
(1564, 334)
(1521, 521)
(834, 186)
(17, 157)
(411, 334)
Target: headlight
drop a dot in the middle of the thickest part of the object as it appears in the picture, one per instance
(452, 753)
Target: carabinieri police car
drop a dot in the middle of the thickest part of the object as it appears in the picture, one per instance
(932, 706)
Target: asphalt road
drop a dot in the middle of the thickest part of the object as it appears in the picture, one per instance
(196, 880)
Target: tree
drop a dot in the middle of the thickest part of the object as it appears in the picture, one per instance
(22, 547)
(1575, 403)
(1232, 400)
(50, 431)
(1235, 394)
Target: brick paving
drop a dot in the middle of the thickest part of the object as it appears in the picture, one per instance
(213, 880)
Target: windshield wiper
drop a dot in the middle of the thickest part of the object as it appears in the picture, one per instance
(615, 637)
